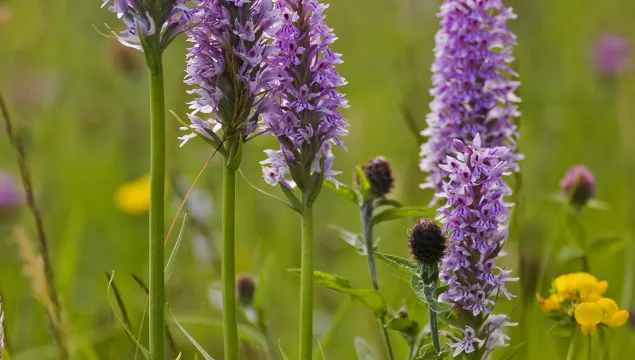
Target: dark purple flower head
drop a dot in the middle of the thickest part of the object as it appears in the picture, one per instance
(225, 65)
(426, 242)
(612, 54)
(578, 185)
(142, 19)
(246, 289)
(305, 118)
(379, 174)
(475, 217)
(473, 83)
(10, 193)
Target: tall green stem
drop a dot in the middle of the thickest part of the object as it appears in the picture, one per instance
(157, 191)
(434, 330)
(571, 352)
(230, 327)
(306, 285)
(367, 222)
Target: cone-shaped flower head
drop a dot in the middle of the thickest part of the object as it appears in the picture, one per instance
(473, 84)
(578, 185)
(305, 118)
(225, 65)
(379, 174)
(427, 243)
(145, 18)
(475, 216)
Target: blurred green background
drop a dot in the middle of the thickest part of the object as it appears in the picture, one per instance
(81, 104)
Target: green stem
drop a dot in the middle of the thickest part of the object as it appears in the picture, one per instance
(306, 285)
(157, 191)
(434, 330)
(571, 352)
(367, 222)
(230, 333)
(588, 353)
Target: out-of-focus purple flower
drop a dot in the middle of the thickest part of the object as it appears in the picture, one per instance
(226, 66)
(10, 193)
(578, 185)
(475, 216)
(473, 83)
(305, 118)
(466, 344)
(143, 19)
(612, 54)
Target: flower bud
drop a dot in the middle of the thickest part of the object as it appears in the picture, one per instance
(578, 185)
(379, 174)
(246, 288)
(427, 243)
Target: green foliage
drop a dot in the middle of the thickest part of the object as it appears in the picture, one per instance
(568, 253)
(367, 297)
(425, 293)
(169, 267)
(284, 355)
(564, 328)
(364, 351)
(607, 245)
(364, 185)
(407, 266)
(198, 347)
(346, 192)
(353, 239)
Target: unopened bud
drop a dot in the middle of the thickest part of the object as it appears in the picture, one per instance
(246, 288)
(427, 243)
(379, 174)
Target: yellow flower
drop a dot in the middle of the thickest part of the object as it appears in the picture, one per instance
(588, 315)
(134, 197)
(613, 316)
(549, 304)
(579, 286)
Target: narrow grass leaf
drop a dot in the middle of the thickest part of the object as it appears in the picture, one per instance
(198, 347)
(513, 350)
(169, 267)
(363, 350)
(292, 207)
(284, 355)
(403, 212)
(144, 351)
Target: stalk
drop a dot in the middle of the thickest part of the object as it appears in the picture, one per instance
(367, 217)
(228, 274)
(306, 285)
(571, 352)
(157, 191)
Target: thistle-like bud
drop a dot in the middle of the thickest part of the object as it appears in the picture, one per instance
(402, 314)
(246, 288)
(578, 185)
(379, 174)
(427, 243)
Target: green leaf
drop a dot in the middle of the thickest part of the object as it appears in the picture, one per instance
(408, 266)
(293, 207)
(343, 190)
(597, 205)
(425, 293)
(403, 212)
(368, 297)
(387, 202)
(144, 351)
(440, 290)
(569, 252)
(353, 239)
(405, 326)
(284, 355)
(364, 351)
(326, 280)
(607, 245)
(247, 333)
(562, 329)
(364, 185)
(576, 228)
(427, 352)
(512, 350)
(178, 357)
(169, 267)
(198, 347)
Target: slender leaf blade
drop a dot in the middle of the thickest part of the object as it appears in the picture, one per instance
(198, 347)
(403, 212)
(363, 350)
(169, 267)
(343, 190)
(407, 266)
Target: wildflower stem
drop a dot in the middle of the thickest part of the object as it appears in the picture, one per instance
(157, 191)
(571, 352)
(588, 352)
(230, 327)
(367, 217)
(306, 284)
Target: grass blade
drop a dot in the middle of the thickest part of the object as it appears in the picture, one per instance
(191, 339)
(169, 267)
